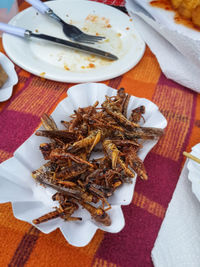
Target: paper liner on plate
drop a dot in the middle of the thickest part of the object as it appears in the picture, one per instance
(194, 171)
(30, 200)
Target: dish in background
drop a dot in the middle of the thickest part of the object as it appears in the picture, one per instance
(194, 171)
(59, 63)
(186, 12)
(7, 88)
(31, 200)
(3, 76)
(165, 18)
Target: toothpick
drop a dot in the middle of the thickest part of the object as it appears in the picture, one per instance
(188, 155)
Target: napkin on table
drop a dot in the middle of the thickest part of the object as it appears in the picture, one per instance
(178, 241)
(176, 47)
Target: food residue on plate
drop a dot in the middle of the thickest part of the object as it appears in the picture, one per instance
(78, 61)
(42, 74)
(91, 65)
(66, 67)
(99, 26)
(108, 26)
(96, 19)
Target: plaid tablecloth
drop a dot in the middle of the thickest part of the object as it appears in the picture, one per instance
(22, 244)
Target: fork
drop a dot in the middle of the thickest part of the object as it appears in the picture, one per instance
(71, 31)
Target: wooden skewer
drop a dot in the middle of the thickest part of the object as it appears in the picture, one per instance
(188, 155)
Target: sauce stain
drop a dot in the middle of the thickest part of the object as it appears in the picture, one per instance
(162, 4)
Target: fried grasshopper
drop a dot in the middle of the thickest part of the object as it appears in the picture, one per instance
(81, 180)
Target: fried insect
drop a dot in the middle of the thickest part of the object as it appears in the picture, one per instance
(112, 151)
(65, 210)
(78, 178)
(113, 154)
(61, 154)
(72, 171)
(91, 140)
(98, 214)
(137, 114)
(47, 217)
(145, 133)
(119, 117)
(66, 136)
(136, 163)
(48, 122)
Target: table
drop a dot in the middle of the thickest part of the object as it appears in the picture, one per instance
(24, 245)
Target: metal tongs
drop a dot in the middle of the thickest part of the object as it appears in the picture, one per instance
(71, 31)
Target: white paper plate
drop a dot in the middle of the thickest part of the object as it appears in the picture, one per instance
(194, 171)
(30, 200)
(7, 89)
(58, 63)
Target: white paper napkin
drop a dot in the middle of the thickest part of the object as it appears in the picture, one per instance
(178, 241)
(176, 47)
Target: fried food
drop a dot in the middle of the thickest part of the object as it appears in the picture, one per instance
(3, 76)
(196, 16)
(176, 3)
(188, 9)
(81, 180)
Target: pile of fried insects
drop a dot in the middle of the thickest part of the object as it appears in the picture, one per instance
(70, 169)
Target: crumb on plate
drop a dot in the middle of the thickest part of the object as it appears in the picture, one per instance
(91, 65)
(42, 74)
(66, 67)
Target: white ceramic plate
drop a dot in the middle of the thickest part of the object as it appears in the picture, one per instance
(59, 63)
(7, 89)
(194, 171)
(30, 200)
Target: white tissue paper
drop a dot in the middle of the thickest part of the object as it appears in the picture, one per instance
(176, 47)
(178, 241)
